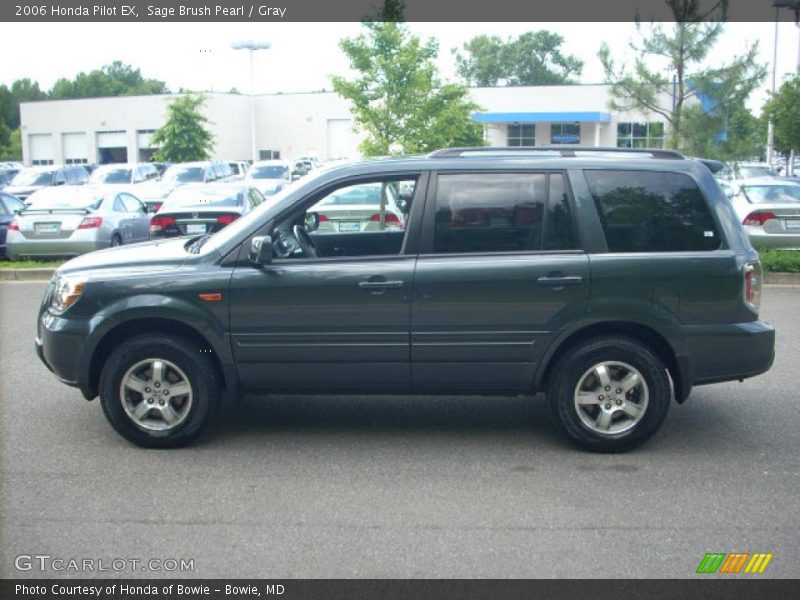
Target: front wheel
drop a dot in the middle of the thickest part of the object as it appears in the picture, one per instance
(159, 391)
(609, 394)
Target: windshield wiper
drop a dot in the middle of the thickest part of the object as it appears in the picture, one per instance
(195, 245)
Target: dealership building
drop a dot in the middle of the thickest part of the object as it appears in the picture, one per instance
(119, 129)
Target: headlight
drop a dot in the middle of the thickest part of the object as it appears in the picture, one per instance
(66, 293)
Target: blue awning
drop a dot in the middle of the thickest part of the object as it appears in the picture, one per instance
(542, 117)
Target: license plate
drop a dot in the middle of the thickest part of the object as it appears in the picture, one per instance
(347, 226)
(195, 228)
(47, 227)
(793, 224)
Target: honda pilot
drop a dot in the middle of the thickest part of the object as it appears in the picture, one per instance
(613, 281)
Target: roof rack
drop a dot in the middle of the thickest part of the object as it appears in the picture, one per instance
(569, 151)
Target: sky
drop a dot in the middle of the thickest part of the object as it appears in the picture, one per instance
(304, 55)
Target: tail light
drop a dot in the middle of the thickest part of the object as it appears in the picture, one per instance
(13, 226)
(161, 223)
(323, 218)
(390, 220)
(226, 219)
(91, 222)
(752, 285)
(758, 218)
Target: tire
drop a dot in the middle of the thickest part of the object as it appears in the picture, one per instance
(116, 240)
(167, 421)
(633, 384)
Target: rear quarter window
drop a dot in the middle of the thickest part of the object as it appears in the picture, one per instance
(652, 211)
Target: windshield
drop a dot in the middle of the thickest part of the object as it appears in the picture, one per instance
(184, 174)
(202, 197)
(268, 172)
(765, 171)
(772, 194)
(89, 201)
(33, 178)
(110, 176)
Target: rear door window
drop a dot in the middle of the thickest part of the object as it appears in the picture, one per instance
(502, 212)
(652, 211)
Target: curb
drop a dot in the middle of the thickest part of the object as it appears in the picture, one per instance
(46, 274)
(26, 274)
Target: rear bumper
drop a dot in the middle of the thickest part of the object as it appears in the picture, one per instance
(53, 248)
(760, 239)
(730, 352)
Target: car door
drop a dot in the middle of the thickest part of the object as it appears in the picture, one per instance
(123, 220)
(499, 269)
(138, 216)
(333, 323)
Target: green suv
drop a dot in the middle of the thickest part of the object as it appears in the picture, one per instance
(611, 280)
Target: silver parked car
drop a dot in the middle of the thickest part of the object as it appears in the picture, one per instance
(364, 207)
(769, 209)
(69, 221)
(32, 179)
(270, 176)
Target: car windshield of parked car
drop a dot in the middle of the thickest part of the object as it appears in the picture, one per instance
(206, 196)
(765, 171)
(88, 201)
(184, 175)
(772, 194)
(33, 178)
(110, 176)
(268, 172)
(360, 195)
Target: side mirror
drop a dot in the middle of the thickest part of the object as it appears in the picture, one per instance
(60, 182)
(261, 250)
(312, 221)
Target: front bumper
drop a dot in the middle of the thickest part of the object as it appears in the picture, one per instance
(730, 352)
(58, 345)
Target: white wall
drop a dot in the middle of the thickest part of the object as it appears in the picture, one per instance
(296, 124)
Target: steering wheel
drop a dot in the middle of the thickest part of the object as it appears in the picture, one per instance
(306, 243)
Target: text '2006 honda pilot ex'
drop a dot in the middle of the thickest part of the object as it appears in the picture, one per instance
(611, 280)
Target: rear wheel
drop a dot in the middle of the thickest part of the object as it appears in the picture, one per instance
(159, 391)
(116, 240)
(609, 394)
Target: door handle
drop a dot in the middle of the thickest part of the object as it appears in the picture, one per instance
(380, 285)
(561, 280)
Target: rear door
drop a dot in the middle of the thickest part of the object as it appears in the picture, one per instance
(140, 219)
(499, 271)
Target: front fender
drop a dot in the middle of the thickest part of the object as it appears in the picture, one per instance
(209, 322)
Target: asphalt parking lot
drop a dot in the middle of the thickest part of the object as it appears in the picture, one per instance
(317, 486)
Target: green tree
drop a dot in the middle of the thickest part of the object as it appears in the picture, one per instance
(783, 109)
(10, 143)
(533, 58)
(183, 137)
(21, 90)
(397, 97)
(115, 79)
(666, 76)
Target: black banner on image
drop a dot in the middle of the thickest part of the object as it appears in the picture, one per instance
(399, 589)
(357, 10)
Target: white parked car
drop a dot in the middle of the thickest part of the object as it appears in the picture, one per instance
(123, 174)
(269, 176)
(769, 210)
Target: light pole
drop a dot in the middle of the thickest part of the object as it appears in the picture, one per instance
(793, 5)
(252, 46)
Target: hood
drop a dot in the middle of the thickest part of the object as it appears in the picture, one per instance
(268, 186)
(159, 255)
(22, 190)
(152, 190)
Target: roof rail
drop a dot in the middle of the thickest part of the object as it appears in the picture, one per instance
(568, 151)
